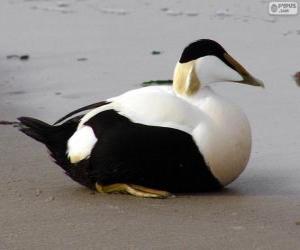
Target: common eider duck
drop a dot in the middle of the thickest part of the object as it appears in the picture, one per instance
(158, 140)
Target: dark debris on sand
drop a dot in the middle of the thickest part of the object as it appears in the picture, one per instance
(156, 52)
(14, 124)
(297, 78)
(20, 57)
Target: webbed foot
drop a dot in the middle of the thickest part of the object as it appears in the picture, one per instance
(134, 190)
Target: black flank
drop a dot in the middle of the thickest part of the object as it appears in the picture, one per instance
(127, 152)
(151, 156)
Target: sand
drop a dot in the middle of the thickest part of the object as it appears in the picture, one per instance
(87, 50)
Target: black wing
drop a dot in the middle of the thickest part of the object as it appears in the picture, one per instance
(88, 107)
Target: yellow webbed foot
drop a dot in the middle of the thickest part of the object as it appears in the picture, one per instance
(134, 190)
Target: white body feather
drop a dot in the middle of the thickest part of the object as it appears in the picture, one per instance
(81, 143)
(224, 139)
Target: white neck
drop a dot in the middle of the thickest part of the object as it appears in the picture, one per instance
(226, 140)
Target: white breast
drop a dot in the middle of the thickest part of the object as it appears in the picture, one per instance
(225, 140)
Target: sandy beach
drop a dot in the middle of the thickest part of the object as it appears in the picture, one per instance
(82, 51)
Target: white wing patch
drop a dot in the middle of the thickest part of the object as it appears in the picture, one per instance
(157, 106)
(154, 105)
(81, 143)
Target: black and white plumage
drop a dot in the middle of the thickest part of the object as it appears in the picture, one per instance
(183, 138)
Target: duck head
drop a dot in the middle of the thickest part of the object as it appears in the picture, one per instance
(205, 61)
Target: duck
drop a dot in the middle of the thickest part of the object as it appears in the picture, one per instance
(156, 141)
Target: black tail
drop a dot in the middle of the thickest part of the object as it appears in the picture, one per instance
(36, 129)
(55, 139)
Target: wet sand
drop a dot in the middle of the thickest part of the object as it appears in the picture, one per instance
(86, 50)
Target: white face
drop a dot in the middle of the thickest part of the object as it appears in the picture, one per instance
(211, 69)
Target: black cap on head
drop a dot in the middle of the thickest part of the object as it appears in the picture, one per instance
(200, 48)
